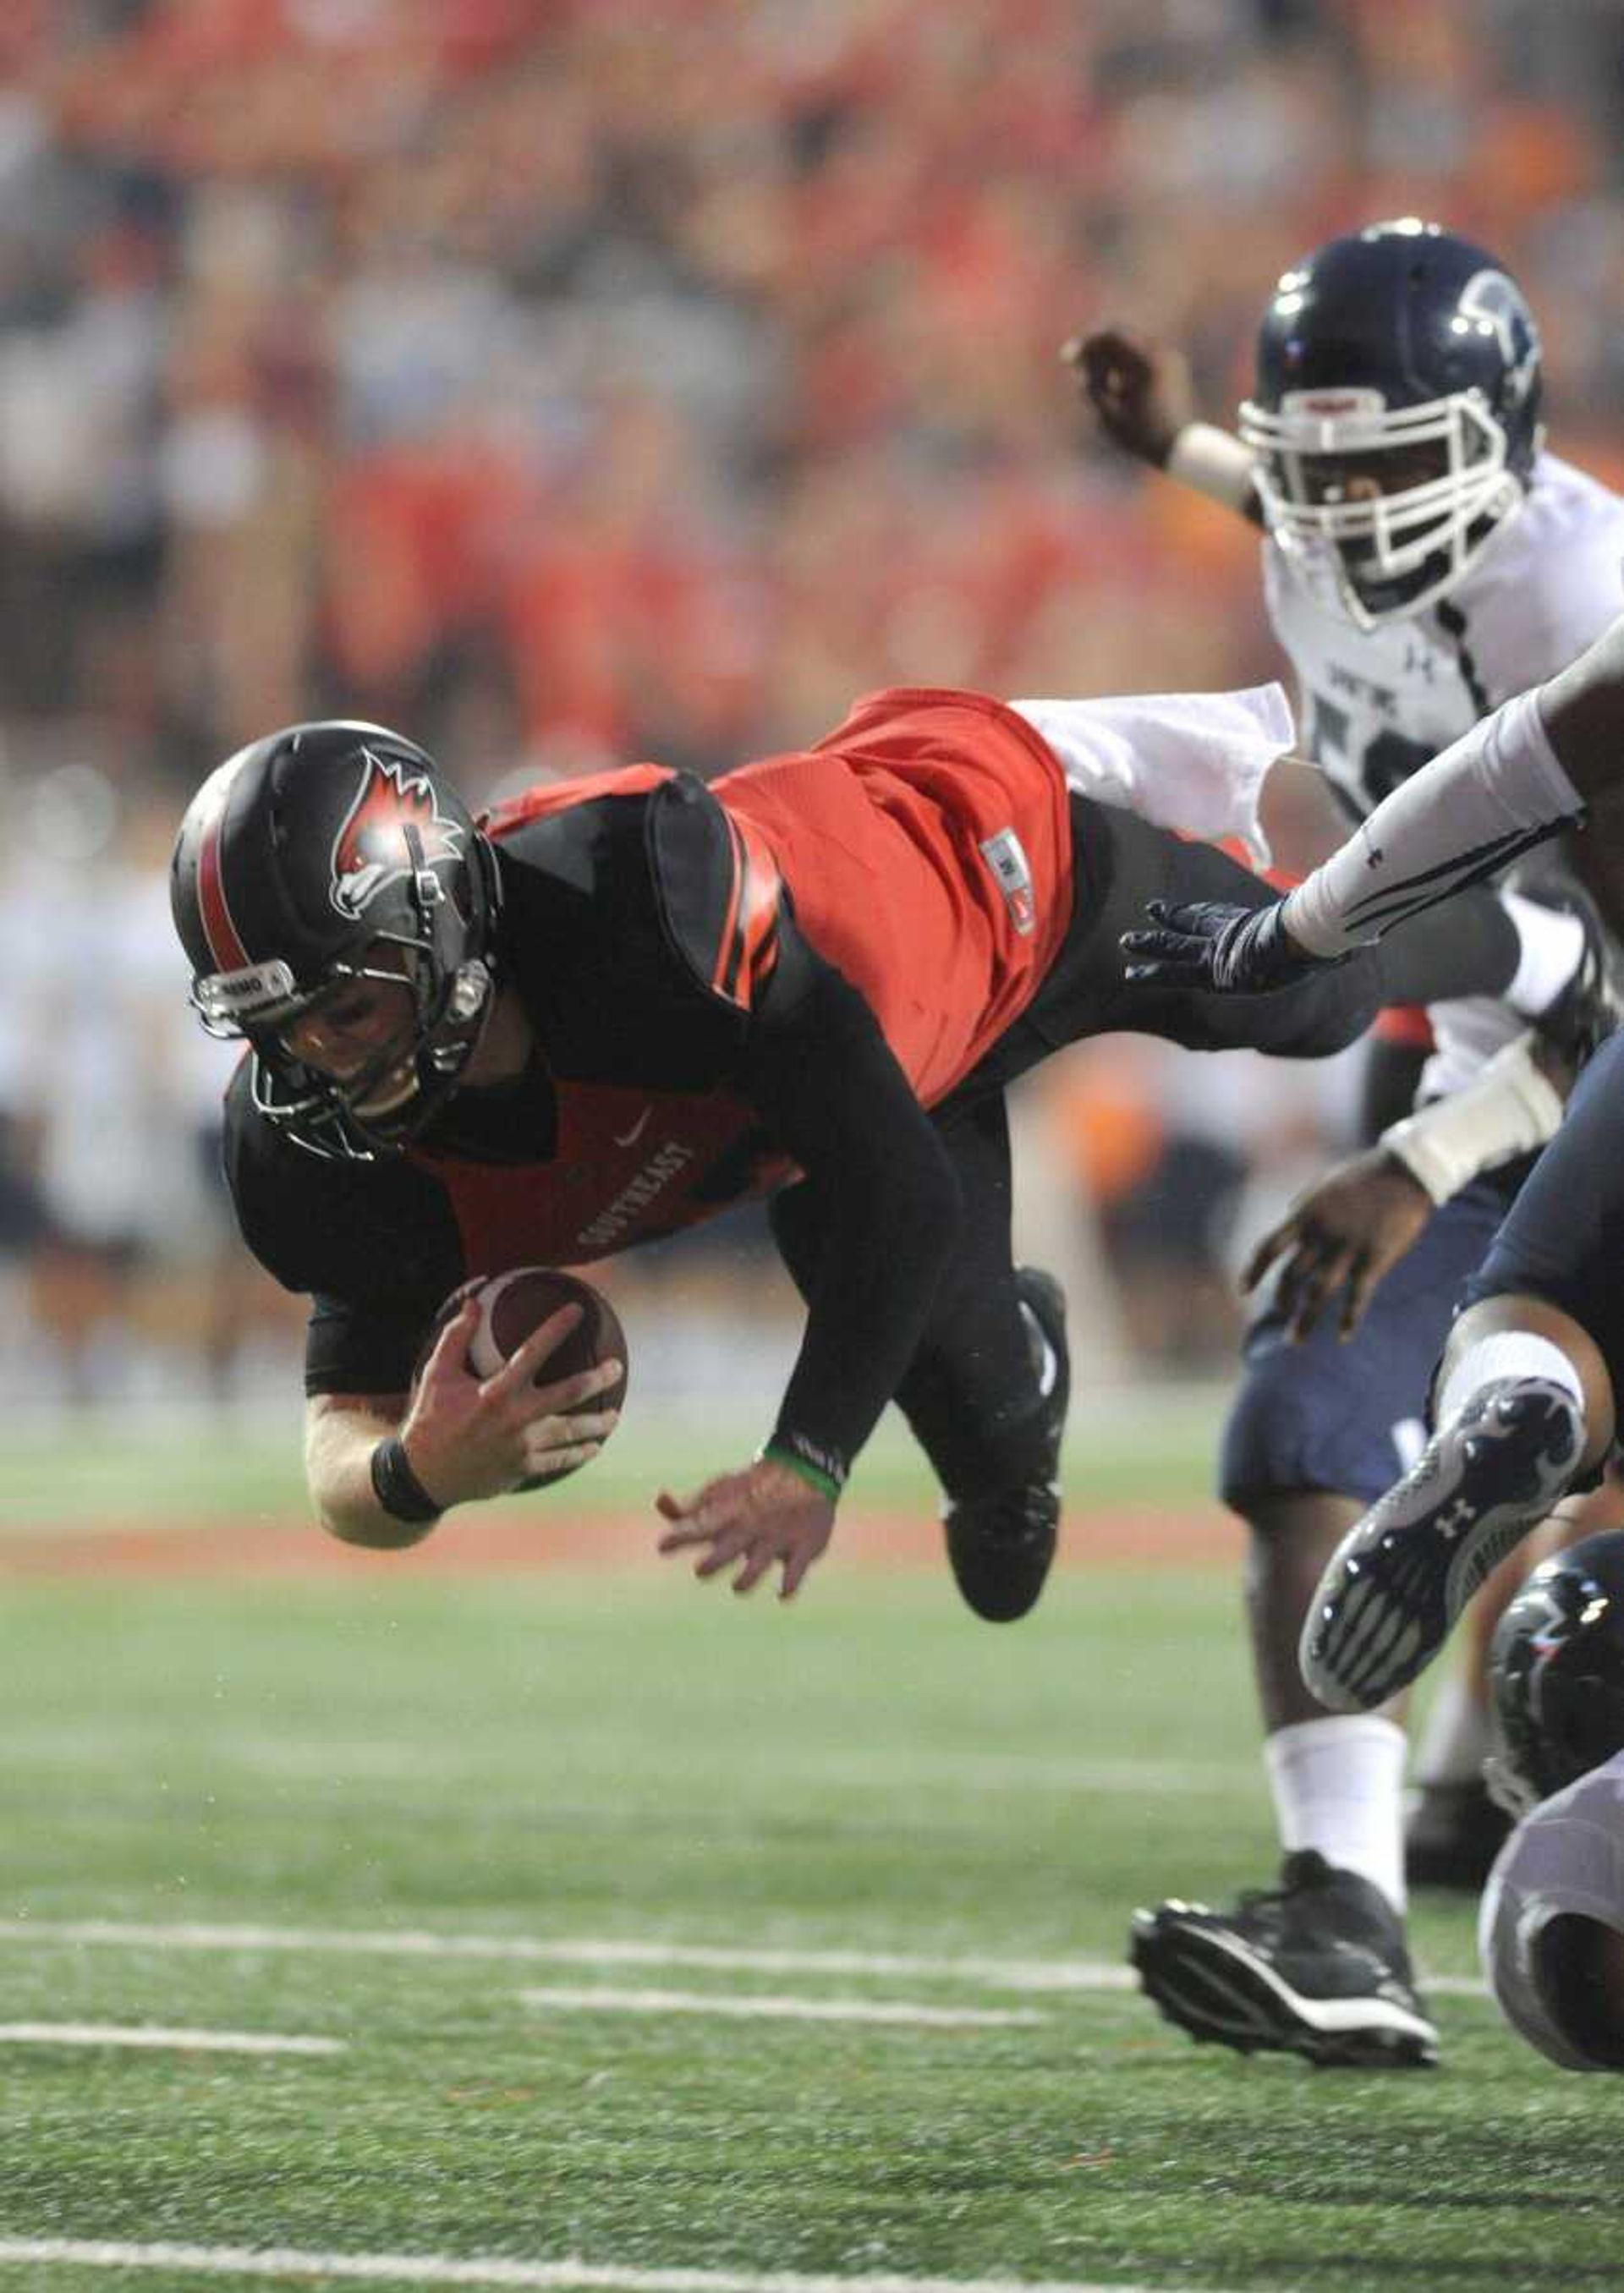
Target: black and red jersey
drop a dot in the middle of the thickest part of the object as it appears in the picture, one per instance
(729, 986)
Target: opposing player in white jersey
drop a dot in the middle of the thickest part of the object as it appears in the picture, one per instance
(1526, 1398)
(1551, 1924)
(1423, 559)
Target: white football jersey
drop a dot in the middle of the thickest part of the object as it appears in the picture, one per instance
(1566, 1857)
(1195, 762)
(1374, 705)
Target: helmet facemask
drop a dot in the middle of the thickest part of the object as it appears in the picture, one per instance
(1388, 549)
(363, 1113)
(326, 859)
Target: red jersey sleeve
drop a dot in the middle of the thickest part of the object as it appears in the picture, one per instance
(1405, 1024)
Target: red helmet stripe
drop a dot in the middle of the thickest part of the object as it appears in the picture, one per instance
(225, 941)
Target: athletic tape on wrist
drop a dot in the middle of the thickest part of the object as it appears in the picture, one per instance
(1511, 1108)
(1211, 462)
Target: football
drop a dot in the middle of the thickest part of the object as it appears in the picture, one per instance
(513, 1305)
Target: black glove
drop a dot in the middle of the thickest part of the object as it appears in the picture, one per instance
(1210, 944)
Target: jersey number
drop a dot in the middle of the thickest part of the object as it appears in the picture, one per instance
(1388, 761)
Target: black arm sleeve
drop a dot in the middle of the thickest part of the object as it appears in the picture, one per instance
(825, 1080)
(810, 1056)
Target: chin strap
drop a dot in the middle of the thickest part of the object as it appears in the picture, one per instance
(467, 977)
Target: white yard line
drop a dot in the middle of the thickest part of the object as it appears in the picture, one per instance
(146, 2034)
(406, 1942)
(1026, 1975)
(778, 2008)
(563, 2276)
(973, 1772)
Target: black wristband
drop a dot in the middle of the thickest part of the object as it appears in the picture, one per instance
(397, 1488)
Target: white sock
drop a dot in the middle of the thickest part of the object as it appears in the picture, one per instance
(1455, 1739)
(1499, 789)
(1508, 1353)
(1552, 943)
(1337, 1784)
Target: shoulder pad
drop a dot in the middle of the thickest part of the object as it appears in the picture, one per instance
(722, 900)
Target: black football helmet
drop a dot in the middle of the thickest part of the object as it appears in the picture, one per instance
(1404, 356)
(1556, 1675)
(323, 854)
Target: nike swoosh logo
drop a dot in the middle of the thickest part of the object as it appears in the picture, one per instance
(632, 1136)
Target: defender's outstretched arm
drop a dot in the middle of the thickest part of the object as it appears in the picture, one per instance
(1546, 760)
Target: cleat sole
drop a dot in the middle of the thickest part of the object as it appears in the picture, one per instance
(1397, 1582)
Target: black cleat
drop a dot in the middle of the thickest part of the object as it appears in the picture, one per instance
(1000, 1546)
(1316, 1966)
(1452, 1834)
(1400, 1579)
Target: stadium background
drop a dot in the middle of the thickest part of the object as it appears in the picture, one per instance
(567, 381)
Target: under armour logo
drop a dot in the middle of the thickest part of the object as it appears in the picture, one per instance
(1458, 1516)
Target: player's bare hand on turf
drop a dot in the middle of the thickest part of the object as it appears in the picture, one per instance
(764, 1517)
(467, 1437)
(1141, 390)
(1212, 945)
(1344, 1234)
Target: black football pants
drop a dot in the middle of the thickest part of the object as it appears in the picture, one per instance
(1464, 946)
(970, 1394)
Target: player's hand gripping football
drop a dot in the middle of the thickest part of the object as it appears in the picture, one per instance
(1140, 390)
(764, 1517)
(1208, 944)
(1344, 1234)
(468, 1437)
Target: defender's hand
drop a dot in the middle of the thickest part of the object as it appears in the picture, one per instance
(764, 1517)
(1345, 1234)
(467, 1437)
(1140, 392)
(1207, 943)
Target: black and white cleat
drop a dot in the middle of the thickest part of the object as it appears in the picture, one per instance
(1400, 1579)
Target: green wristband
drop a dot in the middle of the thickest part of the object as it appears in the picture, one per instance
(812, 1475)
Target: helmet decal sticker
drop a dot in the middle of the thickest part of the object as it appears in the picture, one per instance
(370, 849)
(1329, 404)
(1556, 1675)
(1492, 300)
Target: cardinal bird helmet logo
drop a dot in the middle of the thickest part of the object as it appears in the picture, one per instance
(370, 849)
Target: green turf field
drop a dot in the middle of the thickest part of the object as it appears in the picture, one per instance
(1149, 1447)
(437, 1822)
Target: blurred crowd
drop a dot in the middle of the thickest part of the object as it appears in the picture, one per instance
(572, 381)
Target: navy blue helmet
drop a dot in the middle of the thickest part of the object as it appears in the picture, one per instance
(1395, 416)
(1556, 1675)
(327, 857)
